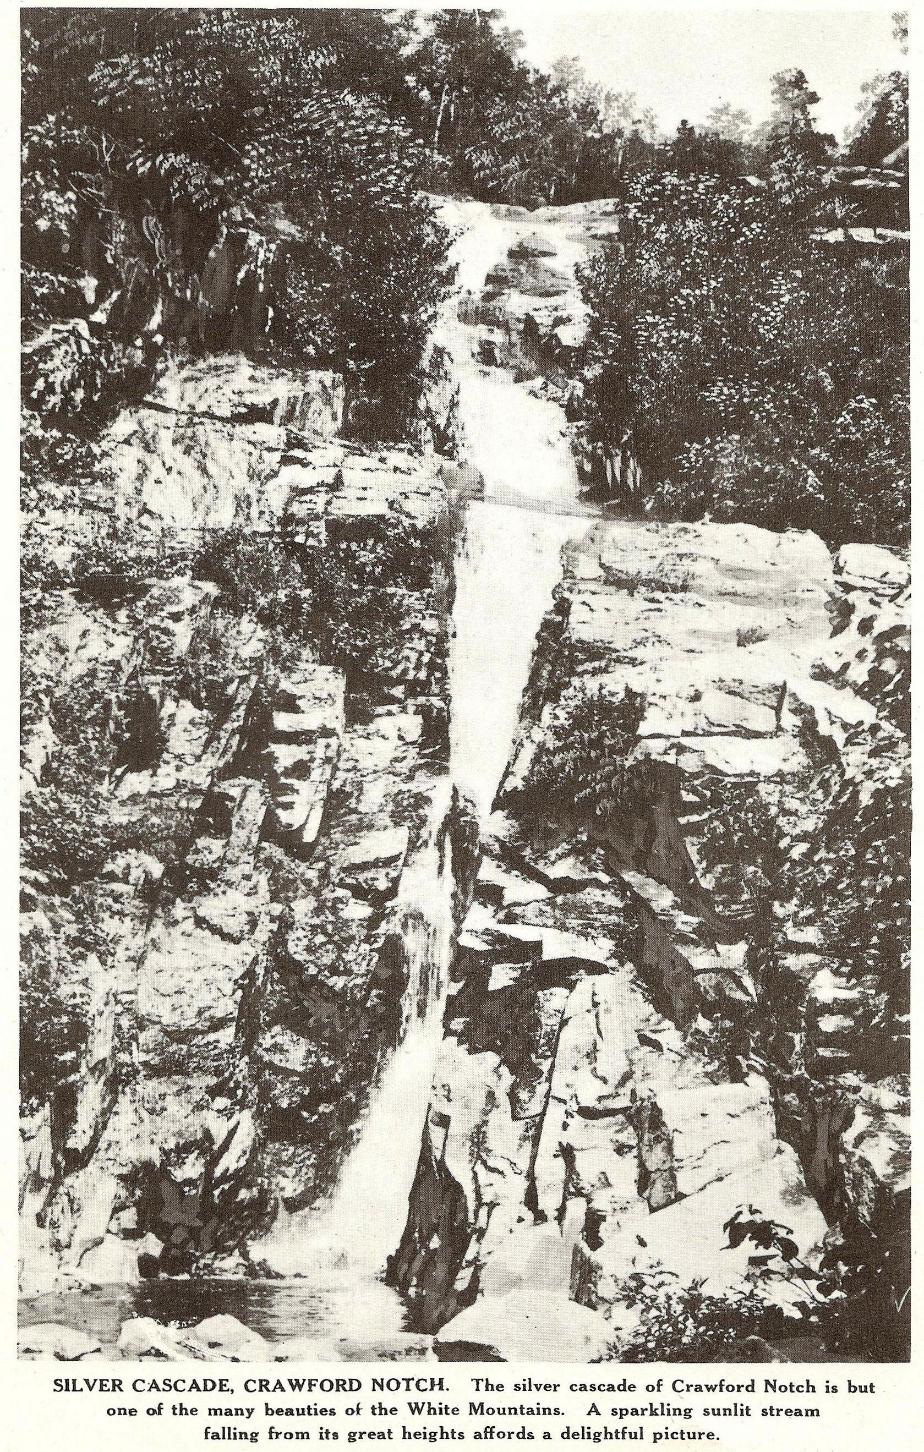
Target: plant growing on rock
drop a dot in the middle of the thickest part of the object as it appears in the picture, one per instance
(350, 600)
(755, 370)
(773, 1240)
(222, 180)
(581, 760)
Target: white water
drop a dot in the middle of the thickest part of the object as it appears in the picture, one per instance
(505, 575)
(346, 1241)
(511, 558)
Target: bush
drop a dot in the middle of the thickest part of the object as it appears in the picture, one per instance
(685, 1324)
(758, 373)
(52, 1018)
(346, 600)
(230, 180)
(581, 761)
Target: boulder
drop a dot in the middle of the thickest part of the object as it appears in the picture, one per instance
(526, 1326)
(115, 1261)
(226, 1338)
(142, 1338)
(871, 567)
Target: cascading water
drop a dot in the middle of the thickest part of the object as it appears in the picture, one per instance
(505, 574)
(331, 1257)
(346, 1241)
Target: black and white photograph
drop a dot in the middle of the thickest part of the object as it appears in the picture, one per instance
(465, 684)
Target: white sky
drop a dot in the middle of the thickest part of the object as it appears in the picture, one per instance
(682, 61)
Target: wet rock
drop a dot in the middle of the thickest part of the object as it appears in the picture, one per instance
(115, 1261)
(218, 1338)
(876, 1153)
(872, 567)
(235, 388)
(141, 1338)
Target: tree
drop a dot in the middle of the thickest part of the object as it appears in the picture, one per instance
(728, 122)
(900, 29)
(754, 372)
(459, 61)
(882, 129)
(500, 128)
(796, 152)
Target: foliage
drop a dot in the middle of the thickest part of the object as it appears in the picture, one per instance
(581, 761)
(500, 128)
(72, 826)
(862, 880)
(224, 179)
(114, 569)
(738, 845)
(52, 1012)
(884, 124)
(683, 1323)
(345, 599)
(760, 374)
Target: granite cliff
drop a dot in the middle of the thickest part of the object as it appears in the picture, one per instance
(632, 796)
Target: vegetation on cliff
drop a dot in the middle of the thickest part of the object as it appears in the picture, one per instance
(749, 341)
(221, 180)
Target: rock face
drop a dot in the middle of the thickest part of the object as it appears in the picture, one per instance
(681, 990)
(674, 1052)
(239, 944)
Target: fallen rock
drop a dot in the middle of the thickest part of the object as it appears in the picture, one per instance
(871, 567)
(141, 1338)
(115, 1261)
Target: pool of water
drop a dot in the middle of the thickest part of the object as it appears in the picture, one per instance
(282, 1310)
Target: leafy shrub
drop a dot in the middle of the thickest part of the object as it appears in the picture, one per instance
(581, 761)
(347, 599)
(52, 1017)
(680, 1323)
(684, 1323)
(257, 577)
(756, 371)
(230, 179)
(114, 569)
(68, 369)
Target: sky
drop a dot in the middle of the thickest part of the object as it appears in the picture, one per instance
(681, 62)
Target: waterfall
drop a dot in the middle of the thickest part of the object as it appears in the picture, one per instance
(505, 573)
(362, 1223)
(511, 558)
(346, 1241)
